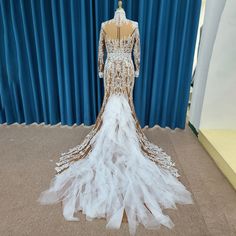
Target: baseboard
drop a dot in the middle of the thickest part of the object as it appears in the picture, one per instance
(221, 146)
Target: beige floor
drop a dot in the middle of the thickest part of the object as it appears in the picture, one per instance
(28, 155)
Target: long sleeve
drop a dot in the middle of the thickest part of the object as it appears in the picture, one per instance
(101, 52)
(136, 51)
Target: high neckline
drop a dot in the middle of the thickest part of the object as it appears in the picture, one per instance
(120, 16)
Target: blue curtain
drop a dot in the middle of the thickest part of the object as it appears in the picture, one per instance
(48, 60)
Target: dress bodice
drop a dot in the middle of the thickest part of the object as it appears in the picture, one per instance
(119, 41)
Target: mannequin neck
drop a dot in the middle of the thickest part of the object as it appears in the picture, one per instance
(120, 16)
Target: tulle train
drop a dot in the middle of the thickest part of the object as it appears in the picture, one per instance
(116, 177)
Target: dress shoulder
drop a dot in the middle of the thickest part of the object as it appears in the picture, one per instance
(134, 23)
(106, 22)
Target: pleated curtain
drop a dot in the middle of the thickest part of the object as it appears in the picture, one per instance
(48, 60)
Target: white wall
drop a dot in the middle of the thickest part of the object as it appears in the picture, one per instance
(219, 105)
(213, 11)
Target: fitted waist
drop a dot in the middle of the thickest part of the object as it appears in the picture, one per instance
(118, 55)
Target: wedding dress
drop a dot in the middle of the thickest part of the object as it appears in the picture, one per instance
(116, 169)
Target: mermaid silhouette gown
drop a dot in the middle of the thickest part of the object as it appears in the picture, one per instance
(116, 170)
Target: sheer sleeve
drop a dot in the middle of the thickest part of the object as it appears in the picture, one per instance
(136, 51)
(101, 52)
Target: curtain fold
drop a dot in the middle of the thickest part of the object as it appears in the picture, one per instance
(48, 60)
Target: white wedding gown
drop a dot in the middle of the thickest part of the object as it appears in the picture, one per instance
(116, 169)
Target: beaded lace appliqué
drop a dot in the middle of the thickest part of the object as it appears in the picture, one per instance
(118, 71)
